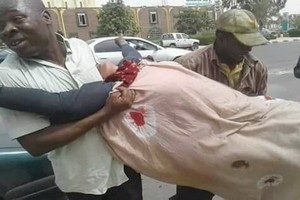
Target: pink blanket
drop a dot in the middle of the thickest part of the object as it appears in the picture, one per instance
(186, 129)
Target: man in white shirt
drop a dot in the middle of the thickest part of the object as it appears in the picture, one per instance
(82, 165)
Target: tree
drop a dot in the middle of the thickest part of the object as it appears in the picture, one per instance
(295, 21)
(116, 18)
(263, 10)
(191, 21)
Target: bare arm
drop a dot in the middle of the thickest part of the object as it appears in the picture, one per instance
(53, 137)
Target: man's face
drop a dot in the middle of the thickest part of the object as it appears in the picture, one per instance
(233, 49)
(23, 30)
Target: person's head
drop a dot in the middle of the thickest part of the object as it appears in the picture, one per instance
(25, 27)
(237, 32)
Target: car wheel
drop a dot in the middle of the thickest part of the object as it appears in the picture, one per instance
(172, 45)
(195, 46)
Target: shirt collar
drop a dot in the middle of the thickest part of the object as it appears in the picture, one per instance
(64, 44)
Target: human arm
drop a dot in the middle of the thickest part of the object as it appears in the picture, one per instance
(261, 79)
(58, 107)
(56, 136)
(191, 61)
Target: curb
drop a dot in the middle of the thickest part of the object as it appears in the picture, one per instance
(284, 40)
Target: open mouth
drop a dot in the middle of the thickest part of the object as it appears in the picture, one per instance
(16, 43)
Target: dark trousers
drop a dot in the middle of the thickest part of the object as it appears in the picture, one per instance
(188, 193)
(130, 190)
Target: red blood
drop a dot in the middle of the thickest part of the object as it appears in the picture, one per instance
(138, 118)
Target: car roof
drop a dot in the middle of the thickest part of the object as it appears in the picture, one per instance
(113, 37)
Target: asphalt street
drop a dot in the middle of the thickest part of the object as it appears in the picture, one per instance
(280, 59)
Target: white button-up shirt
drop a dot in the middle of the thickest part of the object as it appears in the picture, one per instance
(85, 165)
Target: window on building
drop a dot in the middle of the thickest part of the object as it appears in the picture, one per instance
(82, 19)
(153, 17)
(49, 4)
(80, 4)
(66, 4)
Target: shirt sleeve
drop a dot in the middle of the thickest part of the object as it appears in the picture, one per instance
(262, 79)
(59, 107)
(18, 124)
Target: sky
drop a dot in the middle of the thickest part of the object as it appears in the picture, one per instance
(292, 6)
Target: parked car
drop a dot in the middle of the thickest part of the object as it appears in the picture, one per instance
(179, 40)
(268, 34)
(22, 176)
(105, 48)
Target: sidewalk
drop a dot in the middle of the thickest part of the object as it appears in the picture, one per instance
(284, 39)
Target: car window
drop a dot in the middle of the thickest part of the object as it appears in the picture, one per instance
(178, 36)
(141, 45)
(106, 46)
(170, 37)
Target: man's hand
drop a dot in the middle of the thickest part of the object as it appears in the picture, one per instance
(119, 101)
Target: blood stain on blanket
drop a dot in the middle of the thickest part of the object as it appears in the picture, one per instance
(239, 164)
(138, 118)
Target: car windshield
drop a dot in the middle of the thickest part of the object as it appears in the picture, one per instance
(185, 36)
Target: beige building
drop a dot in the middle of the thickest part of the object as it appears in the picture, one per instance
(78, 18)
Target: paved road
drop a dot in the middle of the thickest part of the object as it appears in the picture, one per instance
(280, 59)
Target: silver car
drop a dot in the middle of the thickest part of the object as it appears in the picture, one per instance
(106, 49)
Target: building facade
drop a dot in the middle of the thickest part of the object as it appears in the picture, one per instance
(78, 18)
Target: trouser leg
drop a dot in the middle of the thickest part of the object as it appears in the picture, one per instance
(130, 53)
(130, 190)
(189, 193)
(80, 196)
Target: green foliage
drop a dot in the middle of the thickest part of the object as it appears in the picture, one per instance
(191, 21)
(294, 32)
(262, 9)
(205, 38)
(295, 22)
(116, 18)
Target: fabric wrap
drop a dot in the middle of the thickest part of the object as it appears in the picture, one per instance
(186, 129)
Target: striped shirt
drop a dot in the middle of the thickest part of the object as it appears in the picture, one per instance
(253, 79)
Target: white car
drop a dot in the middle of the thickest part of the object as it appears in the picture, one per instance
(106, 49)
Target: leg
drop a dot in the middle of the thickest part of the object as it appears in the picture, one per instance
(130, 190)
(128, 52)
(188, 193)
(80, 196)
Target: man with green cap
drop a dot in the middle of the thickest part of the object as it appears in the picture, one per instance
(228, 60)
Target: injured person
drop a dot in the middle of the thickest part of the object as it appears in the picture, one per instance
(186, 129)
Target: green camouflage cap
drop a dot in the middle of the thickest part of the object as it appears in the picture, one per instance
(243, 25)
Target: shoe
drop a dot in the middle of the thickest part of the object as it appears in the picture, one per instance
(120, 40)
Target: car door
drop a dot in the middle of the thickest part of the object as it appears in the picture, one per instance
(25, 177)
(108, 50)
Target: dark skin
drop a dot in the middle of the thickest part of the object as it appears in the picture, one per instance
(26, 28)
(229, 50)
